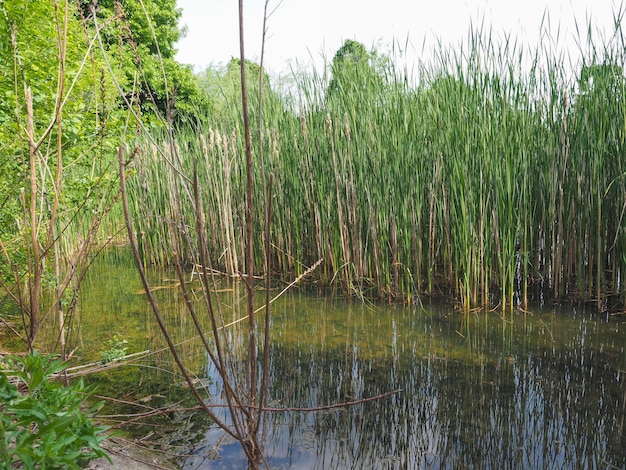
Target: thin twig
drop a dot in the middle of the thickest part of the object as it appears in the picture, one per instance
(152, 300)
(306, 409)
(94, 367)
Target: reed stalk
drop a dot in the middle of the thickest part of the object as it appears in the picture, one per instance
(495, 173)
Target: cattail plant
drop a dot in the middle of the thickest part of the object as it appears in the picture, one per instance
(493, 174)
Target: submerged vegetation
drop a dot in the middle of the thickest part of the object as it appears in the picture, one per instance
(496, 173)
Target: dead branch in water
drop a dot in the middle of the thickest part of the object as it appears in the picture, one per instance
(306, 409)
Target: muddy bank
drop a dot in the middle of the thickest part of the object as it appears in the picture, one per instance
(128, 455)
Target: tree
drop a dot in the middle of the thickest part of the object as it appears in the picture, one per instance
(222, 86)
(356, 73)
(140, 36)
(56, 113)
(29, 59)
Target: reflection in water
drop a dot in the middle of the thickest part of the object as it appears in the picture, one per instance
(535, 391)
(544, 392)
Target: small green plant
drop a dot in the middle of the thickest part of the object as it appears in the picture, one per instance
(42, 422)
(114, 348)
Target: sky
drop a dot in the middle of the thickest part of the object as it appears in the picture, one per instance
(307, 31)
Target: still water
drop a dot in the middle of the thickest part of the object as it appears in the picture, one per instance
(540, 390)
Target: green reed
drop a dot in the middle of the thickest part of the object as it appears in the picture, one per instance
(495, 173)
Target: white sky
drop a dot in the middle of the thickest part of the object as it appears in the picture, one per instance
(307, 29)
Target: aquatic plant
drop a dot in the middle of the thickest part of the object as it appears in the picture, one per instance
(495, 173)
(114, 348)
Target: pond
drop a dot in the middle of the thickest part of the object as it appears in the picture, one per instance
(542, 389)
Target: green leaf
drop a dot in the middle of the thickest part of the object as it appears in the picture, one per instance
(58, 425)
(30, 409)
(8, 391)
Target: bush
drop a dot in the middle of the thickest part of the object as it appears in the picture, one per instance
(45, 425)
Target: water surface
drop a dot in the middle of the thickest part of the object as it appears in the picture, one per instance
(538, 390)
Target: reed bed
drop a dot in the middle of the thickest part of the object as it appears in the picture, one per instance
(496, 174)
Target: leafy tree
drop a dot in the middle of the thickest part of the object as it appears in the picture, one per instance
(141, 36)
(58, 127)
(31, 35)
(222, 87)
(29, 58)
(356, 73)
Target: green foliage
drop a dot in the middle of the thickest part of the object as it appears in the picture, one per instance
(32, 60)
(90, 117)
(489, 177)
(356, 75)
(54, 192)
(140, 36)
(114, 348)
(222, 86)
(151, 24)
(46, 426)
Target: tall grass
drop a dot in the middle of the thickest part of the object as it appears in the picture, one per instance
(497, 173)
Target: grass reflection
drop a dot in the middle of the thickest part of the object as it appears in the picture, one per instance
(539, 390)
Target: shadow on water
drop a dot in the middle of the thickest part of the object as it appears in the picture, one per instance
(543, 390)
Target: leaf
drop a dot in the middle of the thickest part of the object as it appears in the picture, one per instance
(25, 457)
(8, 391)
(29, 408)
(58, 425)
